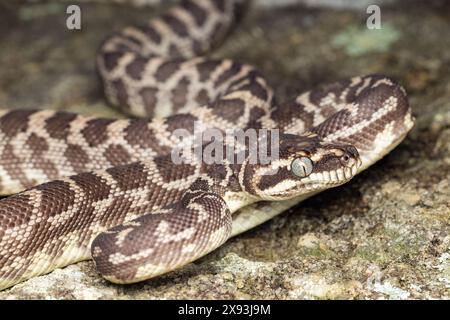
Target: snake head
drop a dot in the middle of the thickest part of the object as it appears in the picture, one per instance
(305, 165)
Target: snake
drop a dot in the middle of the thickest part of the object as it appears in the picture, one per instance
(81, 187)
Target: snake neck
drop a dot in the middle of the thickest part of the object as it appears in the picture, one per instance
(221, 179)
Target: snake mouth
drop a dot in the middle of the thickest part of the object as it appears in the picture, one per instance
(316, 181)
(334, 177)
(327, 179)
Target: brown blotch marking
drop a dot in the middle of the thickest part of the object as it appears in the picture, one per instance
(239, 9)
(149, 99)
(205, 68)
(151, 33)
(179, 94)
(14, 211)
(364, 140)
(217, 172)
(95, 131)
(234, 185)
(268, 181)
(170, 172)
(108, 243)
(136, 68)
(315, 96)
(352, 93)
(121, 92)
(15, 122)
(130, 176)
(328, 162)
(200, 184)
(181, 121)
(9, 160)
(117, 155)
(94, 187)
(166, 70)
(238, 83)
(230, 72)
(174, 52)
(255, 118)
(58, 125)
(215, 205)
(77, 157)
(292, 143)
(247, 180)
(220, 5)
(198, 13)
(85, 215)
(198, 47)
(370, 101)
(117, 211)
(229, 109)
(175, 25)
(256, 89)
(194, 191)
(202, 98)
(290, 111)
(218, 33)
(122, 47)
(161, 197)
(327, 111)
(131, 38)
(139, 134)
(38, 145)
(111, 59)
(339, 120)
(368, 89)
(47, 166)
(56, 197)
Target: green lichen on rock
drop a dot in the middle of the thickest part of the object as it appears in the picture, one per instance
(359, 40)
(40, 10)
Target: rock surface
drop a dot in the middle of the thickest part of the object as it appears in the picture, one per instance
(384, 235)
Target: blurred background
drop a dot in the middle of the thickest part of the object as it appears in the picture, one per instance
(384, 235)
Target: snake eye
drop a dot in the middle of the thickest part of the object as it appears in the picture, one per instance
(302, 167)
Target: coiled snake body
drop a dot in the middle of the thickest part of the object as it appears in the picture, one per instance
(114, 192)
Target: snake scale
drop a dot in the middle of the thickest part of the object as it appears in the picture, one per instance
(108, 189)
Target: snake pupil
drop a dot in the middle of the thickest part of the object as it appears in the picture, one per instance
(302, 167)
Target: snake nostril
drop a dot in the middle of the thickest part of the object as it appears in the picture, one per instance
(351, 152)
(345, 158)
